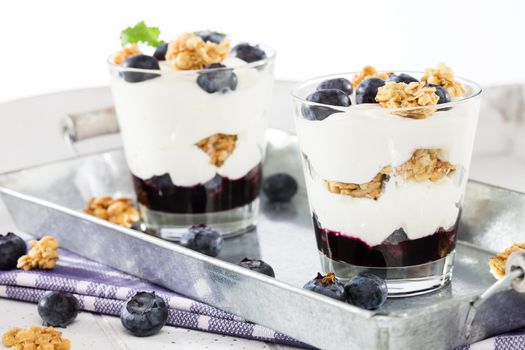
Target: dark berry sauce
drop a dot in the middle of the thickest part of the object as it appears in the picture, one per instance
(397, 250)
(219, 194)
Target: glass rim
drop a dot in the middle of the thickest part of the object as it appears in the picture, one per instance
(477, 90)
(270, 56)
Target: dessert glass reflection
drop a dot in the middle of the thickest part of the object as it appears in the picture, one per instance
(386, 160)
(193, 118)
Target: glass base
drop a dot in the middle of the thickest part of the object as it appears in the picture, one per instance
(401, 281)
(229, 223)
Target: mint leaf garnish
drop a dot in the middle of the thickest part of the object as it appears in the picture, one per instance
(141, 33)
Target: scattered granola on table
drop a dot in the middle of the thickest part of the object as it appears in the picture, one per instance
(42, 255)
(497, 262)
(119, 211)
(35, 338)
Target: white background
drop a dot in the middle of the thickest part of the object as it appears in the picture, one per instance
(56, 45)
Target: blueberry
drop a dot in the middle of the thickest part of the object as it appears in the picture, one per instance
(144, 314)
(58, 309)
(366, 91)
(443, 94)
(366, 291)
(141, 62)
(279, 187)
(11, 248)
(203, 239)
(332, 97)
(208, 35)
(342, 84)
(327, 285)
(217, 80)
(257, 266)
(248, 53)
(160, 52)
(403, 78)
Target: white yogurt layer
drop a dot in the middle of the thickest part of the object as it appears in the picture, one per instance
(161, 120)
(354, 145)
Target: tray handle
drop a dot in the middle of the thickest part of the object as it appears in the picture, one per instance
(514, 278)
(85, 125)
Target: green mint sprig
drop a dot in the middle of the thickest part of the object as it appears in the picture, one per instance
(141, 33)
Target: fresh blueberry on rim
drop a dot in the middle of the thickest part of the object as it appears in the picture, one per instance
(333, 97)
(217, 80)
(160, 52)
(402, 78)
(11, 248)
(366, 91)
(208, 35)
(443, 94)
(141, 62)
(366, 291)
(144, 314)
(248, 53)
(327, 285)
(257, 266)
(279, 187)
(58, 309)
(342, 84)
(203, 239)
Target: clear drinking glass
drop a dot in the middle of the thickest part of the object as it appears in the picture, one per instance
(195, 157)
(374, 204)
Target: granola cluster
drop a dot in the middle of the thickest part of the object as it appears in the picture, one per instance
(444, 76)
(42, 255)
(126, 52)
(497, 262)
(402, 95)
(35, 338)
(368, 72)
(371, 189)
(119, 211)
(218, 147)
(425, 164)
(189, 51)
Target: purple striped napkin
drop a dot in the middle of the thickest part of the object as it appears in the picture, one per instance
(512, 341)
(101, 289)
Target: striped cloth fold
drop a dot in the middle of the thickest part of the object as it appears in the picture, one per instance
(102, 289)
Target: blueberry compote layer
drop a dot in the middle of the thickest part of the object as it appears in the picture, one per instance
(219, 194)
(396, 251)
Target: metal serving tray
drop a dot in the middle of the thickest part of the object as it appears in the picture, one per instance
(49, 199)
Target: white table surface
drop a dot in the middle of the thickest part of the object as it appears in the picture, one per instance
(498, 159)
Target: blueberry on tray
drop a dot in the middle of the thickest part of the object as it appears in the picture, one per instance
(366, 291)
(257, 266)
(327, 285)
(279, 187)
(203, 239)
